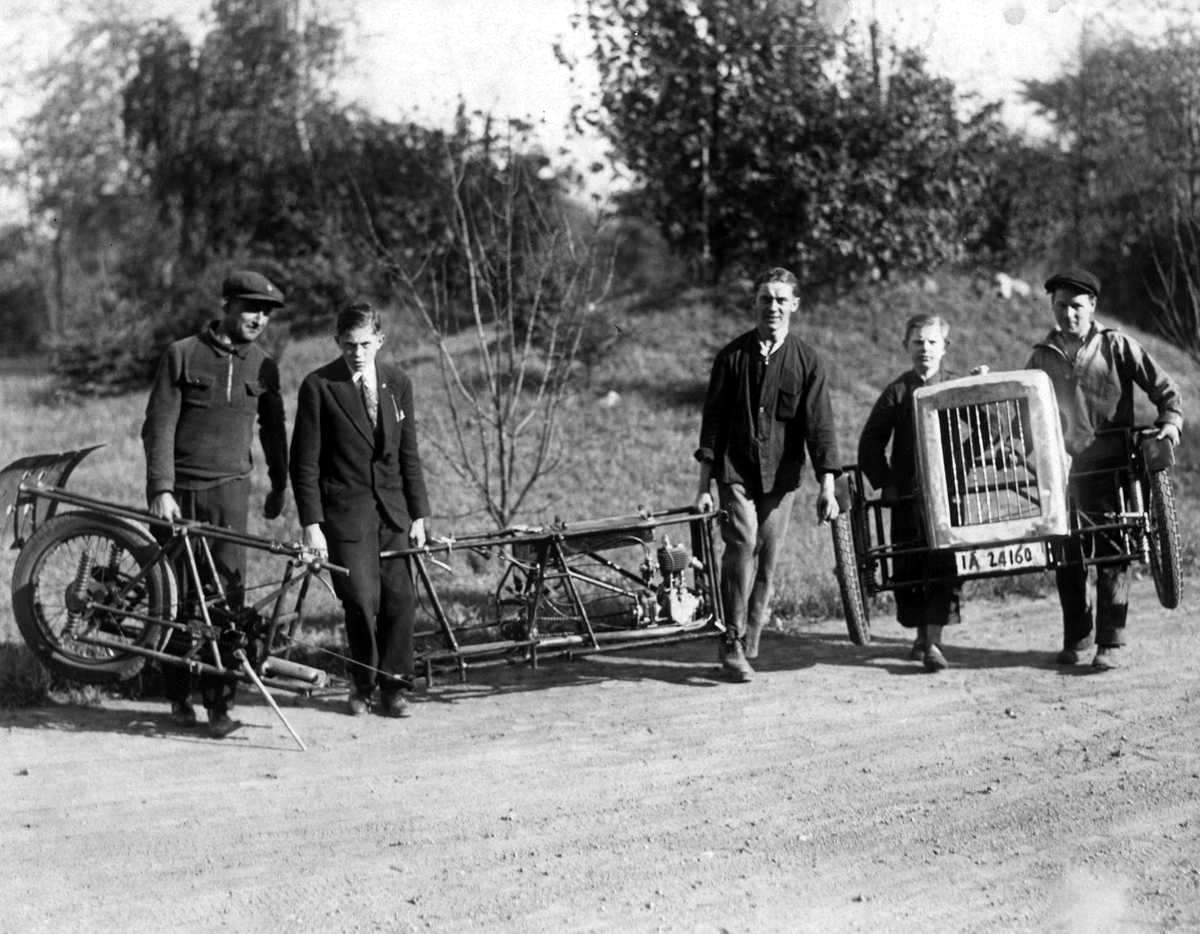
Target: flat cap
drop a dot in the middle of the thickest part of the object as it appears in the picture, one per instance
(1074, 277)
(253, 286)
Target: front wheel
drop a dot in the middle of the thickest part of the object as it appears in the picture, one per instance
(84, 579)
(854, 597)
(1162, 537)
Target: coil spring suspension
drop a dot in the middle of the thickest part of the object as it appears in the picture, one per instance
(78, 596)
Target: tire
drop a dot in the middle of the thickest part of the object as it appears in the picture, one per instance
(854, 597)
(1162, 536)
(79, 557)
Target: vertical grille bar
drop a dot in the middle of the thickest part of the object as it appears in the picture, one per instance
(1031, 490)
(981, 502)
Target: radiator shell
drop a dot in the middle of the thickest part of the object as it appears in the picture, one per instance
(974, 488)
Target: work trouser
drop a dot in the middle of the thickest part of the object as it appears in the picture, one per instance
(226, 505)
(753, 529)
(1094, 497)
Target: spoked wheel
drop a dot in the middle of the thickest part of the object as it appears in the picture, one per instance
(854, 596)
(1162, 536)
(86, 576)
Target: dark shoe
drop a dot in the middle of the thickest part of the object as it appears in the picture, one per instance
(183, 713)
(735, 665)
(220, 724)
(394, 705)
(934, 659)
(1107, 658)
(1071, 651)
(357, 705)
(917, 652)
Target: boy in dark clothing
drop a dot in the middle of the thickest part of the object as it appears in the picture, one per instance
(930, 606)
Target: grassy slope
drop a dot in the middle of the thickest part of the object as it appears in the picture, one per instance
(637, 452)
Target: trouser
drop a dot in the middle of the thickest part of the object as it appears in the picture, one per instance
(932, 602)
(753, 529)
(379, 603)
(1093, 497)
(226, 505)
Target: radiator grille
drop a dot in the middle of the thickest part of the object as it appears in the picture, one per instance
(989, 464)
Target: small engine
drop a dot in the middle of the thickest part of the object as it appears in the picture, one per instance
(676, 603)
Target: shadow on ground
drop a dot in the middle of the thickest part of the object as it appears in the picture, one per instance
(691, 664)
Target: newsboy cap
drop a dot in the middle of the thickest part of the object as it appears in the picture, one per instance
(1074, 277)
(244, 283)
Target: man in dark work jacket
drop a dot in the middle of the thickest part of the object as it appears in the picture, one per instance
(360, 490)
(767, 401)
(209, 392)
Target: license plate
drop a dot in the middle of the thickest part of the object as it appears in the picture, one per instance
(999, 559)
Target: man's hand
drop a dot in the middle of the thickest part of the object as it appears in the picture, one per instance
(704, 497)
(827, 504)
(1170, 432)
(164, 506)
(416, 534)
(273, 505)
(313, 539)
(890, 495)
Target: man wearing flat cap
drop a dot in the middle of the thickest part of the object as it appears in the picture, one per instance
(1094, 370)
(210, 391)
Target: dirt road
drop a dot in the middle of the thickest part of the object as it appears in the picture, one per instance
(843, 790)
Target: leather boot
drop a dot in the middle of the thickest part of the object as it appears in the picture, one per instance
(735, 665)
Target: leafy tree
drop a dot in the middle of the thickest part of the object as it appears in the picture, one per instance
(74, 170)
(1127, 121)
(757, 135)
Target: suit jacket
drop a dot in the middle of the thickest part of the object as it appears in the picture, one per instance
(342, 469)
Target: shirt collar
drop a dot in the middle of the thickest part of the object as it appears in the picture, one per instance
(219, 342)
(767, 347)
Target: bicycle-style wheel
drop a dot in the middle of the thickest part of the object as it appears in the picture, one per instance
(1162, 534)
(84, 576)
(854, 597)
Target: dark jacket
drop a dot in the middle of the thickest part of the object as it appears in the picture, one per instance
(891, 419)
(761, 443)
(200, 416)
(1095, 392)
(341, 468)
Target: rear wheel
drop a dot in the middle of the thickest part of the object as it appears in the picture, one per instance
(854, 597)
(84, 578)
(1162, 535)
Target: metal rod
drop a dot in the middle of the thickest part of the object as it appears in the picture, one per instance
(249, 670)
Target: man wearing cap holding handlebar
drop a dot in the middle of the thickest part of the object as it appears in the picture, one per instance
(209, 392)
(1094, 370)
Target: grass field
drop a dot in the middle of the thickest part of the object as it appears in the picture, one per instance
(637, 452)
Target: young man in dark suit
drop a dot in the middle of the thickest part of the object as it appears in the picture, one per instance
(360, 489)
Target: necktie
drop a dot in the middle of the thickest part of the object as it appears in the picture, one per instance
(370, 397)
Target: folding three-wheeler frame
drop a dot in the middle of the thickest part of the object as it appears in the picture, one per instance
(99, 588)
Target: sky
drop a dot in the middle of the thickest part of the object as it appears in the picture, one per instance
(415, 57)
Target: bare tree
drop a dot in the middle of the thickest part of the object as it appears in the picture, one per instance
(512, 303)
(1176, 294)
